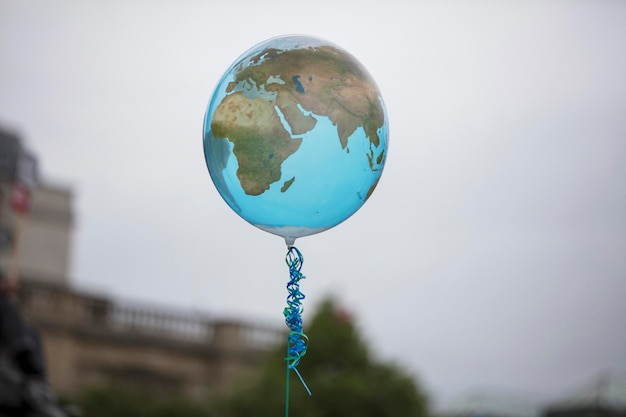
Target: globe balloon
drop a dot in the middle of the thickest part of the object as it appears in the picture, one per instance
(295, 136)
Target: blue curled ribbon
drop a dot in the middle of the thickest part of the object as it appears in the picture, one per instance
(297, 341)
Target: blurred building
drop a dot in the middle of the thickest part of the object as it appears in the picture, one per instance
(45, 239)
(9, 154)
(491, 404)
(90, 339)
(36, 218)
(604, 396)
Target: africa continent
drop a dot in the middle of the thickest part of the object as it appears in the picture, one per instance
(294, 84)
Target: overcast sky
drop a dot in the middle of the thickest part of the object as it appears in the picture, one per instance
(493, 252)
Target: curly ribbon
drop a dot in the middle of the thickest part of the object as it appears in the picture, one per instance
(297, 341)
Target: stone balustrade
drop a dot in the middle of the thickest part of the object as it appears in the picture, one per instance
(88, 337)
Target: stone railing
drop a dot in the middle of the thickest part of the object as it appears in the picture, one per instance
(54, 305)
(124, 318)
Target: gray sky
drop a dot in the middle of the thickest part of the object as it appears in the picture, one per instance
(493, 252)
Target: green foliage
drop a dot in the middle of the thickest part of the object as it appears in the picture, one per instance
(344, 379)
(125, 402)
(338, 368)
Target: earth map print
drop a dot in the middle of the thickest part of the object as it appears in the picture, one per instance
(295, 136)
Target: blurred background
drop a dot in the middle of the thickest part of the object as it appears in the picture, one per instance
(491, 257)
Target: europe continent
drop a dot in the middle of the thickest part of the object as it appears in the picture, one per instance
(275, 100)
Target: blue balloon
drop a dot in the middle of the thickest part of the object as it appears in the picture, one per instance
(295, 136)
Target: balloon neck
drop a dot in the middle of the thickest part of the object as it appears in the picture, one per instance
(290, 241)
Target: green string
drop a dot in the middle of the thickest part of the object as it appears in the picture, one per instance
(287, 389)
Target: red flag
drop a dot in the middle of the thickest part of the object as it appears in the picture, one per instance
(20, 198)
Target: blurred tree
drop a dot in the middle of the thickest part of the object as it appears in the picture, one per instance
(344, 379)
(109, 401)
